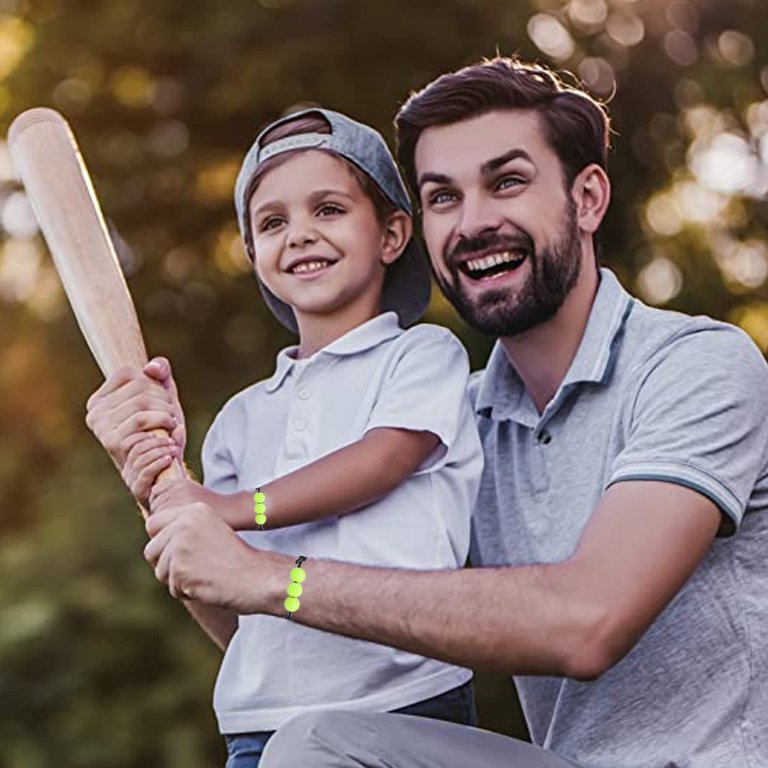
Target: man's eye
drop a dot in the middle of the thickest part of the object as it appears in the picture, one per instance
(441, 197)
(508, 182)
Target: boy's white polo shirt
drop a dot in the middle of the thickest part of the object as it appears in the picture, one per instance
(377, 375)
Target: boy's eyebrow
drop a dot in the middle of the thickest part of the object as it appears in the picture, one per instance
(265, 206)
(316, 195)
(321, 193)
(489, 166)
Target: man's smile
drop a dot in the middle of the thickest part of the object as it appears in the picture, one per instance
(491, 265)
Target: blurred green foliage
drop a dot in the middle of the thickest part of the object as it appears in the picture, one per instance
(99, 668)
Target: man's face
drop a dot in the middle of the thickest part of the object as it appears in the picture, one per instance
(499, 224)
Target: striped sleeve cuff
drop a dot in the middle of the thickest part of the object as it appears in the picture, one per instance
(689, 477)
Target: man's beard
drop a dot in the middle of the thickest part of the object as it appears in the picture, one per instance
(553, 274)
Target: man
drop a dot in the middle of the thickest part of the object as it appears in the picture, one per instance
(623, 504)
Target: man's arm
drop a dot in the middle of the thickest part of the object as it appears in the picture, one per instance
(576, 618)
(337, 484)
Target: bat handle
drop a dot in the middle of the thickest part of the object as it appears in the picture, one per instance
(173, 472)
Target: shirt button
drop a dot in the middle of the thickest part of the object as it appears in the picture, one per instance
(544, 437)
(303, 393)
(300, 425)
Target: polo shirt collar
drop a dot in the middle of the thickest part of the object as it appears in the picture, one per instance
(502, 393)
(371, 333)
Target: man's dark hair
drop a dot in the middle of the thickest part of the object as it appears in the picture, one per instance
(577, 126)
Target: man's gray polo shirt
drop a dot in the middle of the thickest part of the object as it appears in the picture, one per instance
(651, 394)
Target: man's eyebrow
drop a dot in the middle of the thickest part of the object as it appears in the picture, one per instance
(489, 166)
(437, 178)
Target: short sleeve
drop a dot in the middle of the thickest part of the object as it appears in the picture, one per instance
(425, 389)
(219, 473)
(700, 419)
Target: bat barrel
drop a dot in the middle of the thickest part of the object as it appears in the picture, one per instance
(33, 116)
(56, 180)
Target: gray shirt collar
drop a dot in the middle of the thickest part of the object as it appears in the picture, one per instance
(502, 395)
(376, 330)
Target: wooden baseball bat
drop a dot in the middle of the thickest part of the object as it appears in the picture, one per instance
(50, 166)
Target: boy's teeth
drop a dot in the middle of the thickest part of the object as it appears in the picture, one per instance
(310, 266)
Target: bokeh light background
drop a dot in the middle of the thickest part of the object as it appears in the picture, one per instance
(98, 666)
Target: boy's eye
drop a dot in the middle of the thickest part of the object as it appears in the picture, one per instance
(329, 209)
(270, 223)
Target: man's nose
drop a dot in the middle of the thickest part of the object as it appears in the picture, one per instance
(478, 217)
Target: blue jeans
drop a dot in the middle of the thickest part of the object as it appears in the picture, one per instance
(456, 706)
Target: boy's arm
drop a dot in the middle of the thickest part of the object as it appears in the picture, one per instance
(341, 482)
(218, 623)
(345, 480)
(410, 418)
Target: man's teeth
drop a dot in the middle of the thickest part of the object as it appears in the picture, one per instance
(310, 266)
(486, 262)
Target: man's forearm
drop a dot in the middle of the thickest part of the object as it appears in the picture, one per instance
(512, 620)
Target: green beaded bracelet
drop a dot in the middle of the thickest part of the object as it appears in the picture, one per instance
(259, 509)
(294, 589)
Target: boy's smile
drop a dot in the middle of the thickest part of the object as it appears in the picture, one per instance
(310, 267)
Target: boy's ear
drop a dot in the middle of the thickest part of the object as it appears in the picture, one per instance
(396, 233)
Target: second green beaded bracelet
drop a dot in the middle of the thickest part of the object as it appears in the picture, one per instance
(294, 589)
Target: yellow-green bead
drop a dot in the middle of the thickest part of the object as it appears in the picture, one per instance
(291, 604)
(260, 509)
(294, 590)
(298, 575)
(261, 519)
(259, 497)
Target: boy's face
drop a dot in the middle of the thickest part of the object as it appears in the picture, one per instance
(316, 237)
(492, 190)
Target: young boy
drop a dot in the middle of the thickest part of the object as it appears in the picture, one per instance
(361, 416)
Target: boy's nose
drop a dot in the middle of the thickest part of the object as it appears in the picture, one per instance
(300, 237)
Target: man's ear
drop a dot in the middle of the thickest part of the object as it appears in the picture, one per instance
(591, 192)
(396, 233)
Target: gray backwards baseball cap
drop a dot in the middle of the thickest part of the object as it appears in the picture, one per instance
(407, 284)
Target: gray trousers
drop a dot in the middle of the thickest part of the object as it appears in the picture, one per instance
(344, 739)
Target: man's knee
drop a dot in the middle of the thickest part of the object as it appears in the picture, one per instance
(318, 739)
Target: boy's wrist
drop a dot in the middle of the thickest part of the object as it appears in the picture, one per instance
(237, 511)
